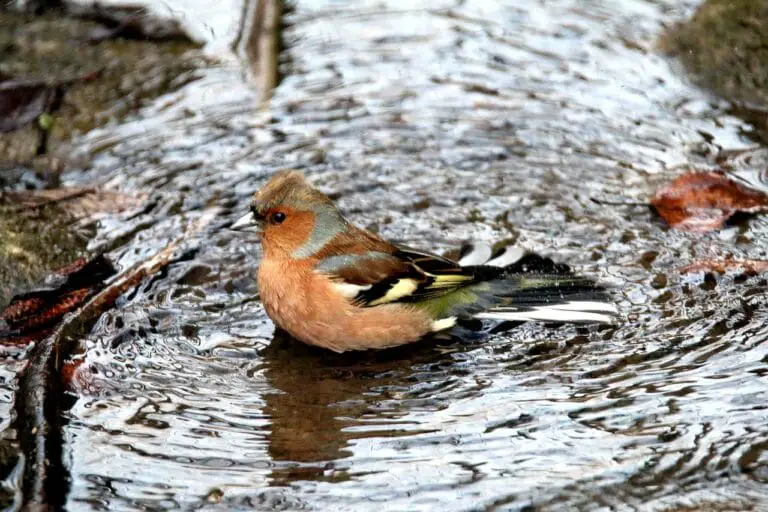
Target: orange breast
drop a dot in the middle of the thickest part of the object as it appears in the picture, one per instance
(306, 305)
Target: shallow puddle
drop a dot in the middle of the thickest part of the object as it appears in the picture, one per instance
(455, 121)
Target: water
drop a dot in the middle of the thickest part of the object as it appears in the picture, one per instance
(454, 121)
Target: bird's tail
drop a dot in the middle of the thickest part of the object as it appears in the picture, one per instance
(549, 304)
(533, 288)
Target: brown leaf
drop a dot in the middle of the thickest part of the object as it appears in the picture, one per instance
(72, 377)
(22, 102)
(128, 22)
(65, 290)
(726, 265)
(703, 201)
(79, 202)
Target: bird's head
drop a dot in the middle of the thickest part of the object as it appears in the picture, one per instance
(295, 220)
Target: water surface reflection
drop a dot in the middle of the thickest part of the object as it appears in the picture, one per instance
(476, 120)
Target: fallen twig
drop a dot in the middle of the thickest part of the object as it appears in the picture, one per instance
(623, 202)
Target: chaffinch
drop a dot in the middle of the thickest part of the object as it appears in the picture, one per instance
(331, 284)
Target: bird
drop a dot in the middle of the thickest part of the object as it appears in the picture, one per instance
(331, 284)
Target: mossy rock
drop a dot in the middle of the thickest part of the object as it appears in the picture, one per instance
(725, 48)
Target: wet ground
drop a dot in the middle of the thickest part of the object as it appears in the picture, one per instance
(456, 121)
(89, 80)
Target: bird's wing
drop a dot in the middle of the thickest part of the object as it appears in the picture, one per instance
(402, 275)
(531, 288)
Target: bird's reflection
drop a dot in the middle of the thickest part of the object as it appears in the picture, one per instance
(319, 396)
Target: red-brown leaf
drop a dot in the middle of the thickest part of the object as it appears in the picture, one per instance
(72, 376)
(703, 201)
(29, 316)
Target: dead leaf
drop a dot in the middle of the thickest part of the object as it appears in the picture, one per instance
(722, 266)
(22, 102)
(703, 201)
(128, 22)
(78, 202)
(25, 100)
(65, 290)
(72, 376)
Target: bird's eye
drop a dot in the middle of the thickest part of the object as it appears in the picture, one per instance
(277, 217)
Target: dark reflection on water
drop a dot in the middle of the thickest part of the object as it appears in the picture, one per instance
(477, 120)
(320, 398)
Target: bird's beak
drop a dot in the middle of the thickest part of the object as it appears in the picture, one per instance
(246, 223)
